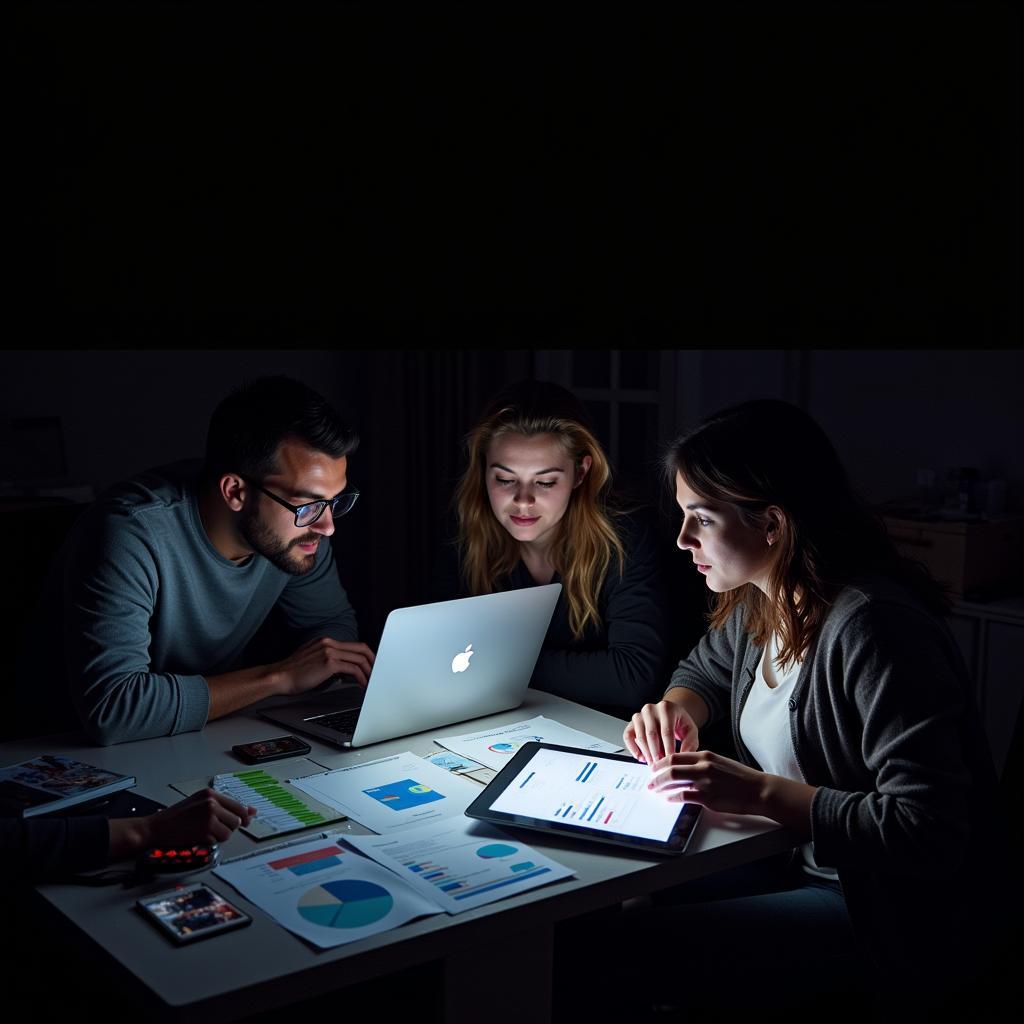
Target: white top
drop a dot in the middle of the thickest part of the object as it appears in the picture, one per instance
(765, 730)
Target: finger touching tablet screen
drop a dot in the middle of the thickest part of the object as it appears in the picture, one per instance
(568, 791)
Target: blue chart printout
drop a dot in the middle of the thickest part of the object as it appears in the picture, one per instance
(403, 793)
(391, 793)
(591, 792)
(325, 893)
(461, 864)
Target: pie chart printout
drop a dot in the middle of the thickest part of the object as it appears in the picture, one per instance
(346, 903)
(511, 746)
(496, 850)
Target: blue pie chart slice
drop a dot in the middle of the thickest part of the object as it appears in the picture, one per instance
(347, 903)
(495, 850)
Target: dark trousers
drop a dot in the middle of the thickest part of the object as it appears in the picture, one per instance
(765, 939)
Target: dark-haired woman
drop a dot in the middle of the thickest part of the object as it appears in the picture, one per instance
(533, 508)
(852, 713)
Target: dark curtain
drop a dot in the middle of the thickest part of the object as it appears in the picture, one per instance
(413, 410)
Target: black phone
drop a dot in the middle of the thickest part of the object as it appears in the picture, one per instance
(191, 912)
(270, 750)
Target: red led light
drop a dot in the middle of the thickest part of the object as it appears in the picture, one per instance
(156, 853)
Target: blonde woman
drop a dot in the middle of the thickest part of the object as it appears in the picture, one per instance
(533, 508)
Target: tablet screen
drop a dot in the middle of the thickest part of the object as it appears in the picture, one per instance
(604, 795)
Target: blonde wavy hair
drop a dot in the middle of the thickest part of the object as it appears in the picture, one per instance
(586, 541)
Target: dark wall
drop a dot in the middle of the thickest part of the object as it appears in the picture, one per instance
(124, 410)
(889, 412)
(361, 174)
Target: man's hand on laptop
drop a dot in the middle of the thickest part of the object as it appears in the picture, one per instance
(320, 659)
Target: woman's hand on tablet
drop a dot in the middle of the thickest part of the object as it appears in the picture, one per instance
(706, 778)
(653, 731)
(722, 784)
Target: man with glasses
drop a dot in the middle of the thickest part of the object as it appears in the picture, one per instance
(167, 578)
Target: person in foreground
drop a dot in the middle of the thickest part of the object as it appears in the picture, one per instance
(853, 716)
(54, 849)
(167, 578)
(40, 848)
(533, 508)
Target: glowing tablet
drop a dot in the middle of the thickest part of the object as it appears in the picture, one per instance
(569, 791)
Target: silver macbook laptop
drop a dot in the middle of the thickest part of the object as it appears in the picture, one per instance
(436, 664)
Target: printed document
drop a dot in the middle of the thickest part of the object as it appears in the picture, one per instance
(392, 793)
(461, 864)
(324, 893)
(496, 747)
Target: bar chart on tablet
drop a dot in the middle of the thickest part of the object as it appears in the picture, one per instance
(591, 792)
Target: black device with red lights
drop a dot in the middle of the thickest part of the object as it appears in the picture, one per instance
(178, 859)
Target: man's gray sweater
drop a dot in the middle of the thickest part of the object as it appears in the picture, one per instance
(148, 608)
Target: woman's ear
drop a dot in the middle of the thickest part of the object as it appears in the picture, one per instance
(777, 524)
(582, 469)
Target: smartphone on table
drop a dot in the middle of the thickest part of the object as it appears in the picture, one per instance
(270, 750)
(191, 912)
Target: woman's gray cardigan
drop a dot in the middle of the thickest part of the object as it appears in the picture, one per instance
(884, 723)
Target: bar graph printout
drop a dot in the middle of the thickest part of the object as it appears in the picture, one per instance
(590, 791)
(324, 893)
(461, 864)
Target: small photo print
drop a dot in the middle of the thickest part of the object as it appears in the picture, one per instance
(61, 775)
(193, 910)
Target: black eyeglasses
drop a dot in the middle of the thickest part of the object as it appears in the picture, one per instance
(308, 514)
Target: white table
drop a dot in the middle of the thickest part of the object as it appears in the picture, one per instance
(264, 966)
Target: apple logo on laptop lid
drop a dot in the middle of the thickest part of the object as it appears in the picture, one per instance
(461, 660)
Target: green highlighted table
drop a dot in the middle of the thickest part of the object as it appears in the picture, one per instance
(279, 806)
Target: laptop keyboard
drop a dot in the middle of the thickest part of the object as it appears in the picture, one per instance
(337, 721)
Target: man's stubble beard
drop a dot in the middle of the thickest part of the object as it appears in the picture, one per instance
(262, 540)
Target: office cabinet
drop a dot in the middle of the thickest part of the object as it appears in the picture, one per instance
(991, 636)
(966, 556)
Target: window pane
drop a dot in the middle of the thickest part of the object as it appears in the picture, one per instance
(600, 418)
(638, 447)
(591, 368)
(638, 369)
